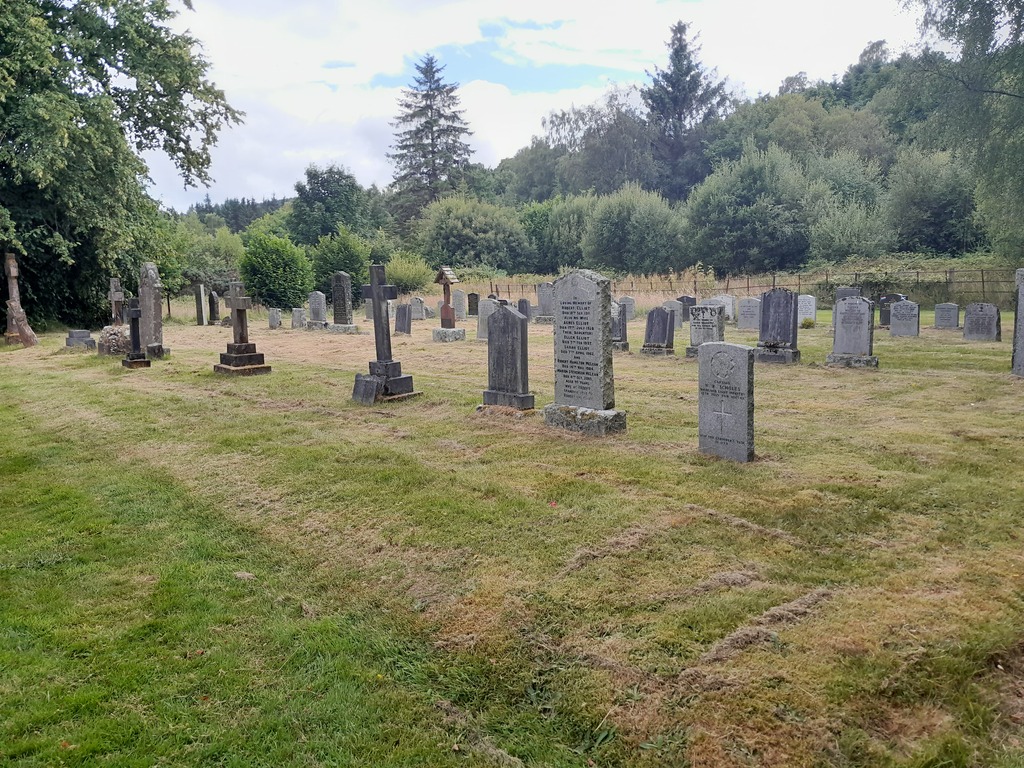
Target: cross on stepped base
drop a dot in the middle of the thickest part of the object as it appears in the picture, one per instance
(241, 359)
(385, 380)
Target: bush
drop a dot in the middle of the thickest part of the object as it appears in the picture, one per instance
(461, 232)
(276, 271)
(408, 271)
(343, 252)
(633, 231)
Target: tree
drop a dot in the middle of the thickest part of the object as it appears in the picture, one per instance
(84, 88)
(276, 271)
(330, 197)
(430, 152)
(342, 252)
(633, 231)
(465, 232)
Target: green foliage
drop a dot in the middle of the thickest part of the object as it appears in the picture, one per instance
(237, 213)
(843, 229)
(533, 171)
(343, 252)
(275, 224)
(408, 271)
(276, 271)
(567, 225)
(459, 231)
(633, 231)
(328, 199)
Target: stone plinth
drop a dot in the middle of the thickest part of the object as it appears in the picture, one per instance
(341, 328)
(446, 335)
(586, 420)
(80, 340)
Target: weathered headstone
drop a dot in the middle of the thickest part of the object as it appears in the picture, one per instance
(687, 302)
(806, 308)
(1017, 360)
(214, 308)
(317, 311)
(523, 308)
(545, 303)
(80, 339)
(904, 319)
(385, 380)
(367, 309)
(341, 298)
(136, 358)
(13, 294)
(584, 382)
(16, 317)
(630, 304)
(403, 319)
(483, 311)
(982, 323)
(508, 380)
(885, 303)
(679, 312)
(660, 333)
(777, 339)
(459, 303)
(151, 325)
(418, 309)
(116, 298)
(620, 336)
(729, 302)
(472, 303)
(707, 324)
(274, 318)
(749, 317)
(725, 401)
(947, 316)
(241, 359)
(853, 344)
(201, 306)
(845, 291)
(298, 318)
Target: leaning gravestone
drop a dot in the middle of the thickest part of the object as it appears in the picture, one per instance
(806, 308)
(545, 303)
(707, 324)
(1017, 361)
(620, 335)
(403, 319)
(853, 345)
(584, 382)
(483, 311)
(630, 304)
(201, 305)
(151, 325)
(725, 401)
(660, 333)
(317, 311)
(885, 306)
(136, 358)
(749, 317)
(459, 303)
(777, 337)
(17, 318)
(472, 304)
(241, 359)
(80, 340)
(385, 380)
(214, 308)
(947, 316)
(679, 312)
(298, 318)
(904, 319)
(982, 323)
(508, 380)
(274, 318)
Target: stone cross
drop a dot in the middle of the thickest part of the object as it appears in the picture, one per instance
(136, 358)
(379, 293)
(446, 278)
(239, 306)
(116, 298)
(241, 359)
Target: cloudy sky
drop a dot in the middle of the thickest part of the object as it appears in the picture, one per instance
(319, 79)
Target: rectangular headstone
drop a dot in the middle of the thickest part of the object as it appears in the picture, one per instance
(341, 298)
(749, 318)
(982, 323)
(583, 344)
(274, 318)
(403, 318)
(483, 311)
(659, 334)
(472, 304)
(151, 324)
(459, 304)
(845, 291)
(806, 308)
(853, 344)
(202, 314)
(524, 309)
(317, 307)
(725, 401)
(508, 379)
(368, 309)
(729, 302)
(1017, 361)
(947, 316)
(298, 318)
(679, 312)
(630, 304)
(904, 319)
(777, 339)
(707, 324)
(417, 308)
(545, 299)
(885, 305)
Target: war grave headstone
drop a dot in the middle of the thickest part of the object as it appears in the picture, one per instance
(241, 359)
(885, 307)
(317, 311)
(904, 319)
(777, 337)
(806, 308)
(853, 344)
(947, 316)
(80, 339)
(659, 334)
(725, 401)
(679, 313)
(584, 382)
(545, 304)
(749, 315)
(136, 358)
(459, 303)
(385, 380)
(630, 304)
(1017, 359)
(982, 322)
(274, 318)
(707, 324)
(524, 308)
(620, 333)
(12, 336)
(16, 316)
(214, 316)
(298, 318)
(472, 304)
(483, 311)
(508, 379)
(403, 319)
(202, 309)
(151, 303)
(446, 278)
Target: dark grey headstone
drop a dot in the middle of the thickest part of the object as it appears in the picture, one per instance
(80, 339)
(845, 291)
(508, 380)
(904, 319)
(403, 318)
(341, 298)
(659, 334)
(524, 309)
(982, 323)
(201, 307)
(749, 317)
(947, 316)
(1017, 361)
(725, 401)
(853, 344)
(367, 388)
(687, 302)
(777, 340)
(214, 308)
(472, 304)
(884, 306)
(707, 324)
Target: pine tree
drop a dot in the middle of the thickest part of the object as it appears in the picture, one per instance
(430, 152)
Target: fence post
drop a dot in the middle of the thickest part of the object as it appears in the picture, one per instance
(983, 284)
(773, 281)
(798, 289)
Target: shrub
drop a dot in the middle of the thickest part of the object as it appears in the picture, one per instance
(633, 231)
(408, 271)
(276, 271)
(343, 252)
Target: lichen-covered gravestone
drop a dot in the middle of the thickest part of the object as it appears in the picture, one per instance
(545, 303)
(508, 379)
(725, 401)
(341, 297)
(459, 304)
(151, 325)
(584, 382)
(201, 306)
(707, 324)
(274, 318)
(904, 319)
(853, 345)
(947, 316)
(298, 318)
(1017, 361)
(659, 334)
(16, 317)
(317, 311)
(749, 317)
(620, 333)
(777, 339)
(403, 319)
(982, 323)
(241, 359)
(385, 380)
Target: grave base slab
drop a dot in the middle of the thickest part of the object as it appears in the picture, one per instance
(782, 356)
(241, 370)
(661, 351)
(511, 399)
(445, 335)
(587, 421)
(851, 361)
(620, 346)
(347, 329)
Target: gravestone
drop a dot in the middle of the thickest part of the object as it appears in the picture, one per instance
(679, 313)
(214, 308)
(151, 326)
(317, 311)
(729, 302)
(687, 302)
(845, 291)
(584, 382)
(418, 309)
(446, 278)
(459, 303)
(853, 344)
(403, 319)
(904, 319)
(483, 311)
(947, 316)
(524, 309)
(367, 309)
(725, 401)
(298, 318)
(620, 335)
(777, 339)
(80, 340)
(385, 380)
(982, 323)
(630, 304)
(508, 380)
(274, 318)
(707, 324)
(545, 303)
(16, 317)
(341, 298)
(472, 304)
(806, 308)
(13, 294)
(749, 315)
(1017, 359)
(659, 334)
(241, 359)
(136, 358)
(116, 298)
(885, 306)
(202, 310)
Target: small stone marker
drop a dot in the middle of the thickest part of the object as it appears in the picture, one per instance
(298, 318)
(137, 357)
(749, 317)
(707, 324)
(483, 311)
(777, 339)
(853, 345)
(317, 311)
(385, 380)
(904, 319)
(982, 323)
(630, 304)
(584, 382)
(947, 316)
(1017, 360)
(341, 298)
(885, 306)
(116, 298)
(678, 310)
(403, 319)
(214, 308)
(546, 303)
(151, 303)
(508, 380)
(80, 340)
(16, 317)
(620, 335)
(274, 318)
(660, 333)
(202, 309)
(806, 308)
(241, 359)
(725, 401)
(472, 303)
(459, 303)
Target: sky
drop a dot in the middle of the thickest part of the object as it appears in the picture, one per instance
(319, 80)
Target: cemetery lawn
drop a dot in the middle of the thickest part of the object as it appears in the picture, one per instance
(202, 570)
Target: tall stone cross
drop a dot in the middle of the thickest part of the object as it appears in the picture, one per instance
(446, 278)
(13, 294)
(136, 358)
(239, 305)
(116, 298)
(379, 293)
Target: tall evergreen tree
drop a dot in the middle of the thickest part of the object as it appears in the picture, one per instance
(430, 152)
